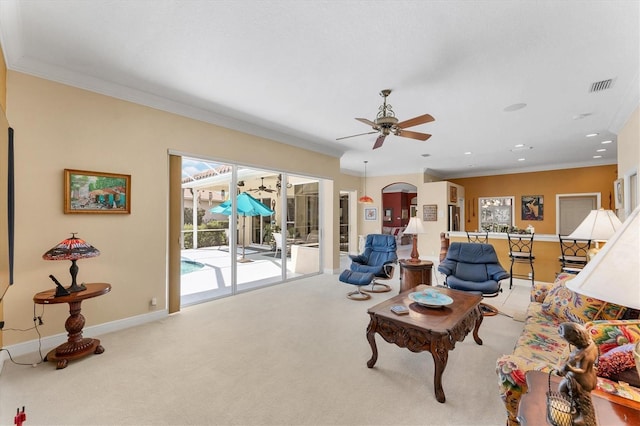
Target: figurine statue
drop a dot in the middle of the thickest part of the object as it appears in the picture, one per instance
(579, 372)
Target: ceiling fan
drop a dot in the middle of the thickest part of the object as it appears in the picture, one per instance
(279, 184)
(262, 188)
(386, 123)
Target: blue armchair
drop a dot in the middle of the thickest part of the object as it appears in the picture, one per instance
(475, 268)
(376, 262)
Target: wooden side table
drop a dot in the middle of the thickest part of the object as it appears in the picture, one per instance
(414, 274)
(76, 346)
(610, 409)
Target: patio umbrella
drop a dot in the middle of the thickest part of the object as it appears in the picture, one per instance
(246, 205)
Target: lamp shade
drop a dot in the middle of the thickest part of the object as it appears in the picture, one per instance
(599, 225)
(613, 275)
(414, 226)
(71, 249)
(365, 199)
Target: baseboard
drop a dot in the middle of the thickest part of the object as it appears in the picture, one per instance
(49, 342)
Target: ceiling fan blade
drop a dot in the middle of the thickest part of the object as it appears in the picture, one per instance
(353, 136)
(415, 121)
(367, 122)
(379, 141)
(413, 135)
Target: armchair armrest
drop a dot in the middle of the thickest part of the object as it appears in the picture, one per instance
(358, 258)
(497, 272)
(388, 269)
(446, 267)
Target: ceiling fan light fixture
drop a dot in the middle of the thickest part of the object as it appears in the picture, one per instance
(386, 123)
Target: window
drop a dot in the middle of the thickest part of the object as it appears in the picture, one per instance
(496, 213)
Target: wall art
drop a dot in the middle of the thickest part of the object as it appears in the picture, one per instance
(96, 192)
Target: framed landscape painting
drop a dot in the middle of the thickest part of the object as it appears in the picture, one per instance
(96, 192)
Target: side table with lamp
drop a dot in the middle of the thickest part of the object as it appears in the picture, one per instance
(76, 346)
(414, 271)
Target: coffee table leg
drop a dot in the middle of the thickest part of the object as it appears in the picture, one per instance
(479, 319)
(440, 358)
(371, 337)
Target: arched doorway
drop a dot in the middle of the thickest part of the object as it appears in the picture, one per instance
(399, 204)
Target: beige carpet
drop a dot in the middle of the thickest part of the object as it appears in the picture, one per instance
(291, 354)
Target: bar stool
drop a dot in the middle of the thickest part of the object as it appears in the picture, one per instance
(478, 237)
(521, 251)
(573, 254)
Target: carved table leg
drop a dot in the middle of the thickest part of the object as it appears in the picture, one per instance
(371, 337)
(479, 319)
(76, 346)
(440, 357)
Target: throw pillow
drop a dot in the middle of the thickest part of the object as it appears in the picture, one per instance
(567, 305)
(619, 365)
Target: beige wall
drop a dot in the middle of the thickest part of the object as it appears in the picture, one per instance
(60, 127)
(629, 159)
(629, 145)
(4, 243)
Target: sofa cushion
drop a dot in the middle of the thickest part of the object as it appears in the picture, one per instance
(567, 305)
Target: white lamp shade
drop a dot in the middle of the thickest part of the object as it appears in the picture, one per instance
(414, 226)
(613, 274)
(599, 225)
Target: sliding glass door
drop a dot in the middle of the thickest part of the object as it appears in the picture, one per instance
(245, 228)
(206, 259)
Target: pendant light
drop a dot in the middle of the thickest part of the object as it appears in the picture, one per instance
(365, 199)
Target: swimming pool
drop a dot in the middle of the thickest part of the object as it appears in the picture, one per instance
(187, 266)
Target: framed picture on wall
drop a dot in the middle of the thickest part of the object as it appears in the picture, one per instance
(618, 190)
(532, 207)
(430, 213)
(370, 213)
(96, 192)
(453, 194)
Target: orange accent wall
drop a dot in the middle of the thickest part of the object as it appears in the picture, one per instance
(548, 184)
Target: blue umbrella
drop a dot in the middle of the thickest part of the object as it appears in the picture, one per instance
(246, 205)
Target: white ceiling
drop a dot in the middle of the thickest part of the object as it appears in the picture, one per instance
(301, 71)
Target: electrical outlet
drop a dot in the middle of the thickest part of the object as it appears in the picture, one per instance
(154, 301)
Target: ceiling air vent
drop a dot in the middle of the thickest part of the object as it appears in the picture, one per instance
(601, 85)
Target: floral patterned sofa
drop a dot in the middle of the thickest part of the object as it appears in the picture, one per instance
(539, 346)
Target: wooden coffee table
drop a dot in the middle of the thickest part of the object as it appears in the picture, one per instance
(435, 330)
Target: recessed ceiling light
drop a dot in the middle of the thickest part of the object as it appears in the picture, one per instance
(520, 145)
(521, 159)
(605, 142)
(597, 156)
(590, 135)
(467, 153)
(514, 107)
(601, 150)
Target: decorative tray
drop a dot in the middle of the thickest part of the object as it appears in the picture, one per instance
(430, 298)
